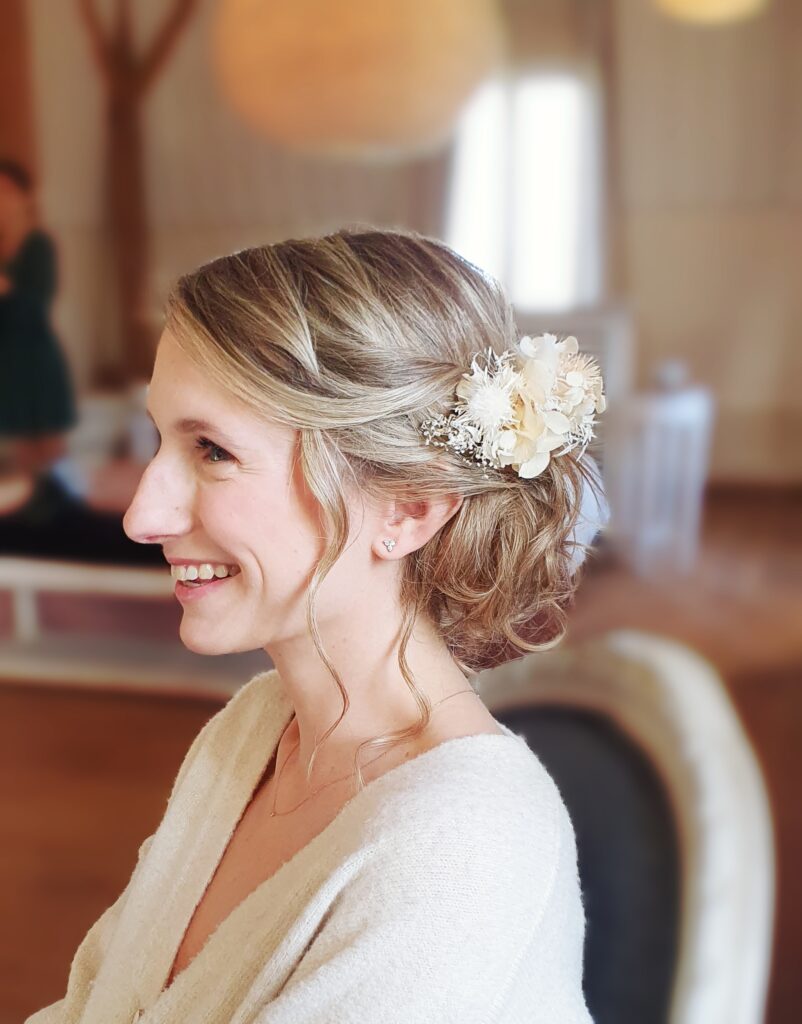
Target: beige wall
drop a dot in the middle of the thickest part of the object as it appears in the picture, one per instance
(709, 152)
(707, 148)
(213, 186)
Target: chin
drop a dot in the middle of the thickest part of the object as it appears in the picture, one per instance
(201, 641)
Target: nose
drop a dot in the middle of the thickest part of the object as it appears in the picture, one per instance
(161, 507)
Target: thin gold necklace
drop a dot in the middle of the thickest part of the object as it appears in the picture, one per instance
(281, 814)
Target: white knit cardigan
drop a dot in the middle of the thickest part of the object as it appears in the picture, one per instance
(444, 891)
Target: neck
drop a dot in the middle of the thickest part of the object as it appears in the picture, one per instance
(379, 699)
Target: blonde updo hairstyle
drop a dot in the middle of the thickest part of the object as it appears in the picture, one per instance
(354, 339)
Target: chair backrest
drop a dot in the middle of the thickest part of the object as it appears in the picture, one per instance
(673, 823)
(629, 862)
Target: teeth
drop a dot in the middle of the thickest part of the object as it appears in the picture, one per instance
(202, 571)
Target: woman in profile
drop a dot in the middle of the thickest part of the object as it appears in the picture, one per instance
(37, 403)
(354, 837)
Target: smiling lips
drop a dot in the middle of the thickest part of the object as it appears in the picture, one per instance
(202, 571)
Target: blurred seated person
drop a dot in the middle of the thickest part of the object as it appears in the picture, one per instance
(38, 515)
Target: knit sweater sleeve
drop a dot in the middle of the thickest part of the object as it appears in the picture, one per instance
(478, 920)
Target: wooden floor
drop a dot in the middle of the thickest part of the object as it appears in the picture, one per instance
(84, 778)
(741, 607)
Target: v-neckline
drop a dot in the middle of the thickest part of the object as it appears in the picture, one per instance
(270, 690)
(273, 691)
(247, 804)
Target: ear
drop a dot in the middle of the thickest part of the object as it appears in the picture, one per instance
(412, 523)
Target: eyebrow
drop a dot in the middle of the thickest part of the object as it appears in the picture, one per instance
(194, 426)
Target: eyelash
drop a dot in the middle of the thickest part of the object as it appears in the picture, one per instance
(205, 444)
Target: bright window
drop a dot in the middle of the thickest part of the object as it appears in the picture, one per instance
(524, 202)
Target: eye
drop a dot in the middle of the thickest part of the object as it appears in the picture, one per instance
(214, 453)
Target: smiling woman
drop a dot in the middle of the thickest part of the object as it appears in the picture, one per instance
(307, 508)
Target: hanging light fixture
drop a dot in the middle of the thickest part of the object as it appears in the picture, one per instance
(712, 11)
(356, 78)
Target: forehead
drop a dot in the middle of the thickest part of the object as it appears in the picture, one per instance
(180, 390)
(177, 378)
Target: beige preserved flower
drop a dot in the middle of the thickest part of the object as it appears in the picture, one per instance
(523, 405)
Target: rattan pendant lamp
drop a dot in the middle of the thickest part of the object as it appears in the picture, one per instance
(712, 11)
(354, 78)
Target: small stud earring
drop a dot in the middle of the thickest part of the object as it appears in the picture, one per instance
(389, 544)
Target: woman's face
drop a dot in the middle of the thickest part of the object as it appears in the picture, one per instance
(225, 490)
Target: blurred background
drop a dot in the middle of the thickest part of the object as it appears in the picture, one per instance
(632, 171)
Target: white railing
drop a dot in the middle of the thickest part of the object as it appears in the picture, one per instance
(107, 657)
(24, 578)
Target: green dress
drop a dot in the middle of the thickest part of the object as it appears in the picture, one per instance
(36, 391)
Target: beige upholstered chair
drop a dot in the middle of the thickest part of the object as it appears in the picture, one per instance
(640, 735)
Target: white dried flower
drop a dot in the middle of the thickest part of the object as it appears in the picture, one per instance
(523, 405)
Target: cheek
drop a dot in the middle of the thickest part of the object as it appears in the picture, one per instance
(249, 527)
(232, 520)
(269, 537)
